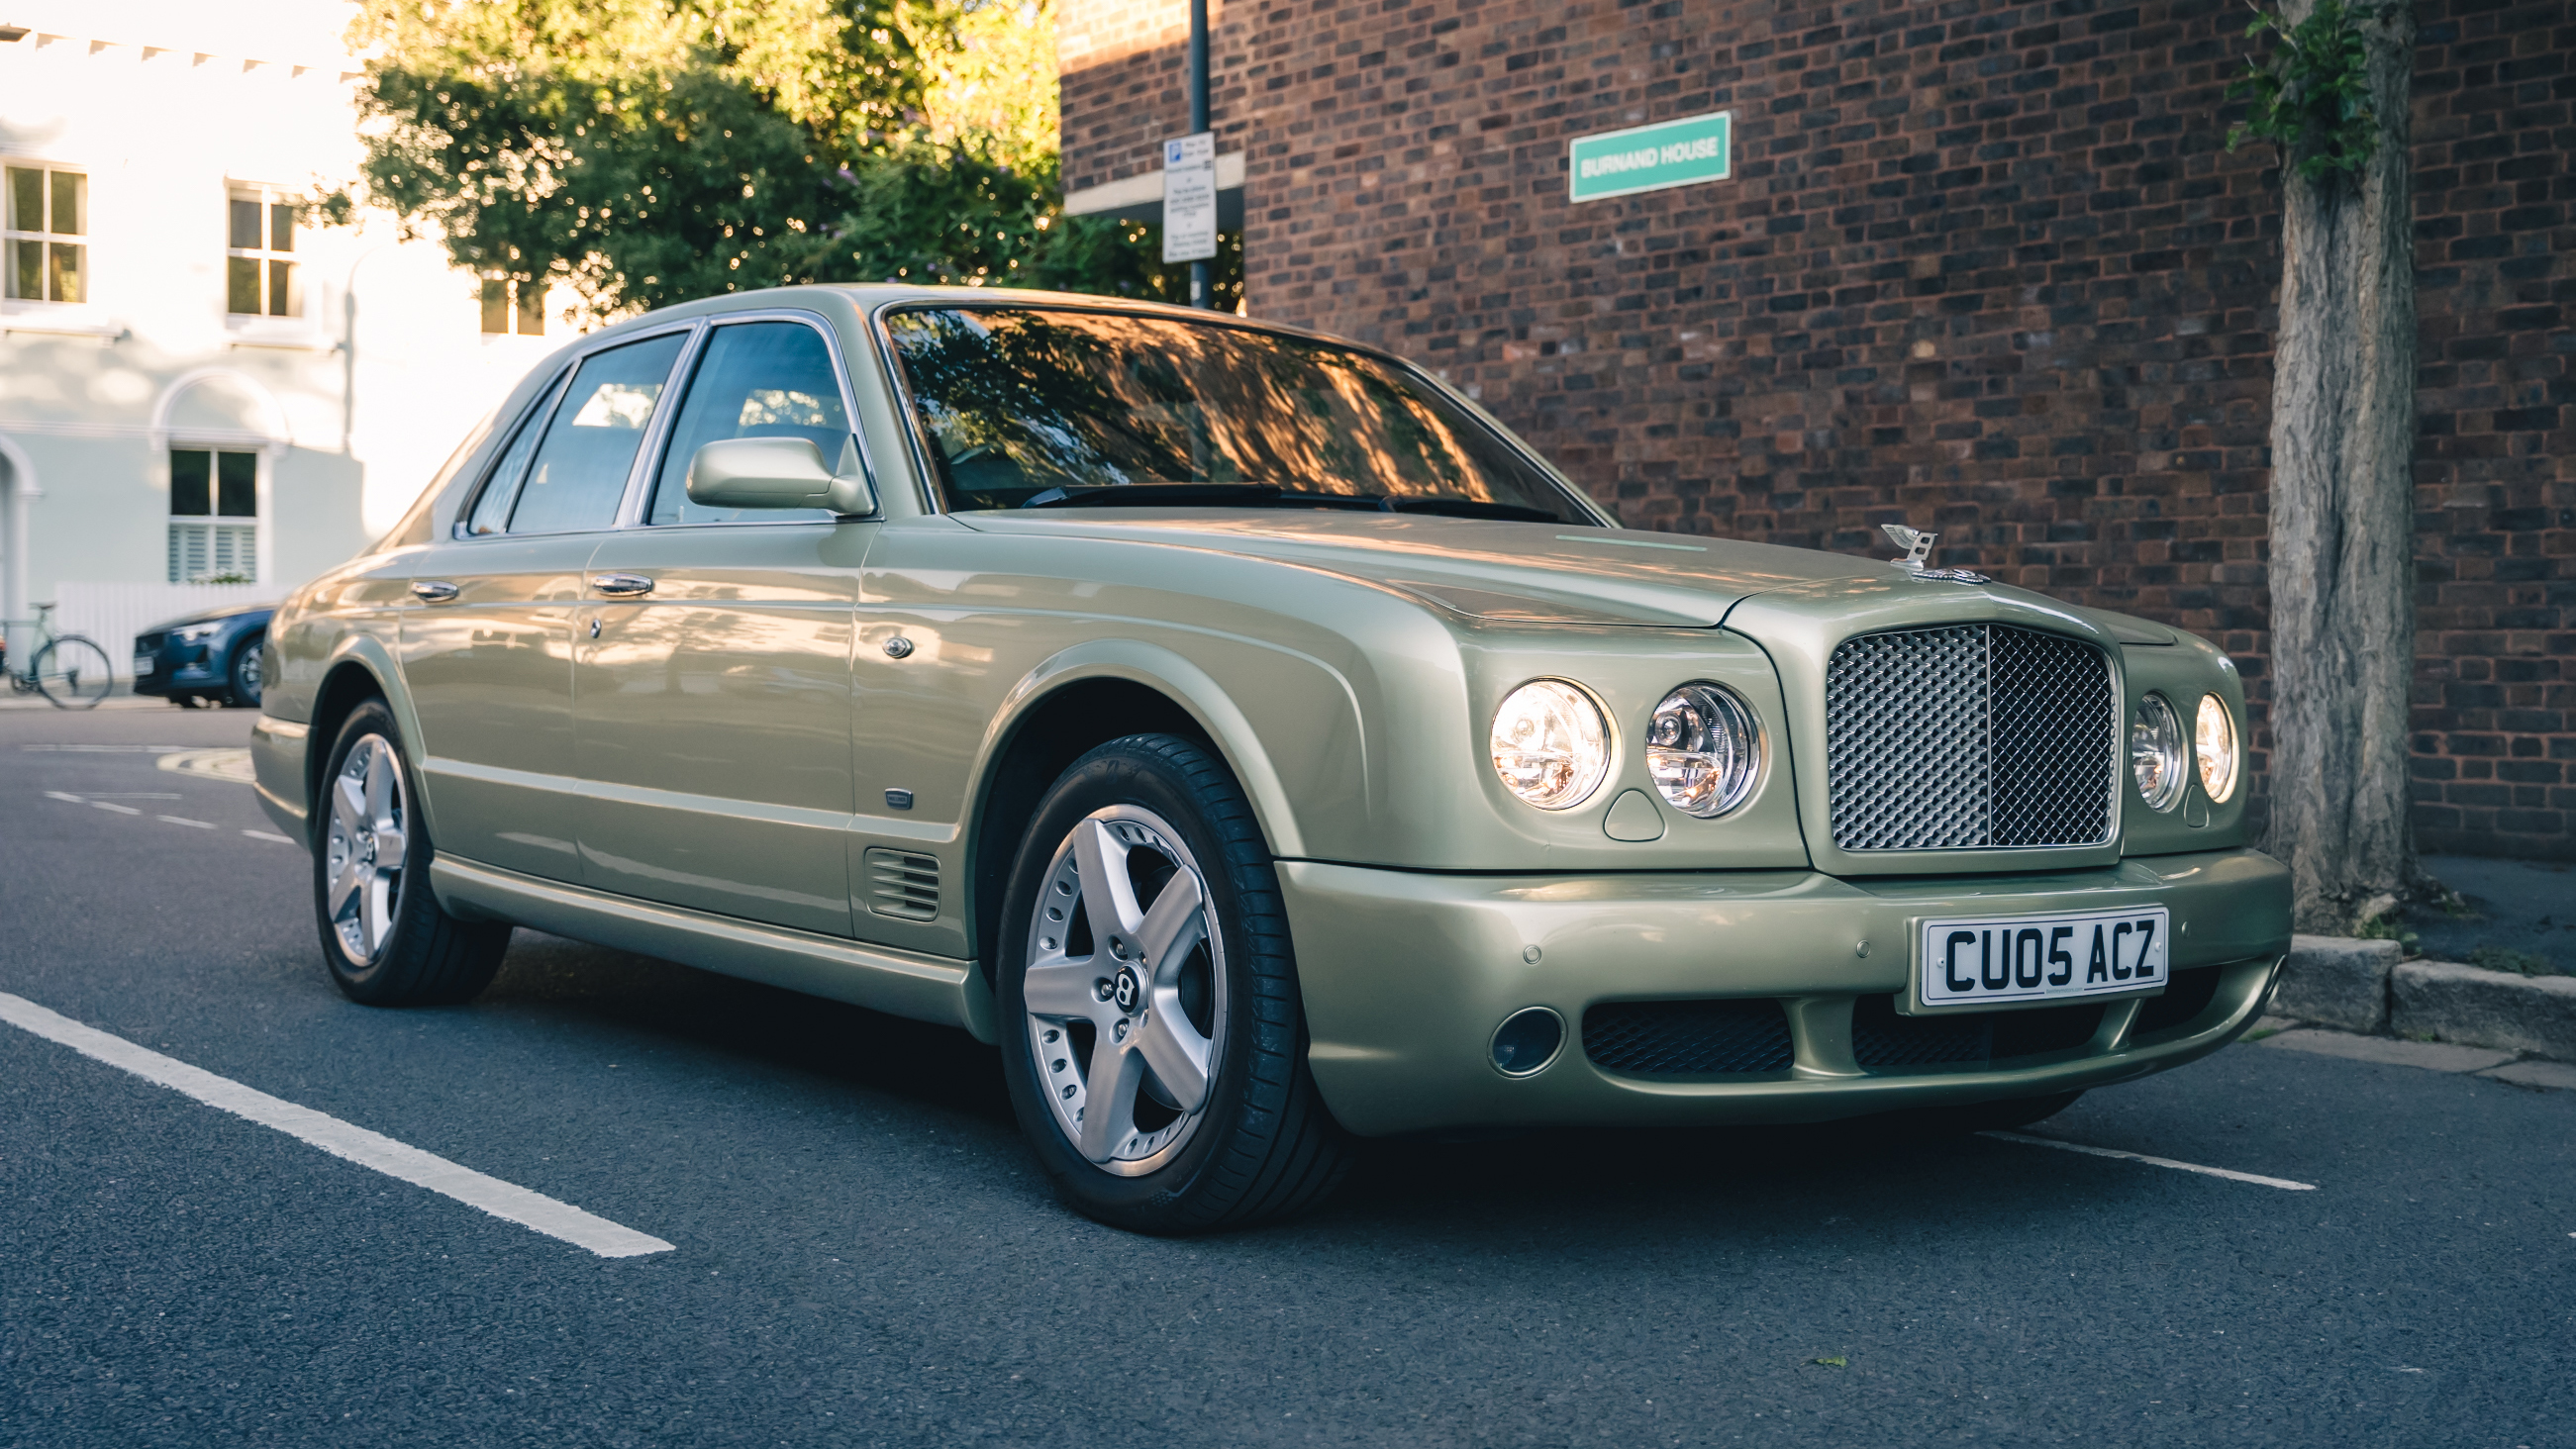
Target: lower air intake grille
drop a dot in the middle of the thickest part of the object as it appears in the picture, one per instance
(904, 884)
(2186, 996)
(1882, 1040)
(1969, 736)
(1687, 1038)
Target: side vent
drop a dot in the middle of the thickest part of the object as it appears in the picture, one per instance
(902, 883)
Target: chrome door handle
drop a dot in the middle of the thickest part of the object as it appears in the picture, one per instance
(433, 591)
(621, 586)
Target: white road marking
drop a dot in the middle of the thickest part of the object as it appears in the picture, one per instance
(112, 805)
(340, 1139)
(270, 835)
(108, 749)
(59, 795)
(2233, 1176)
(183, 820)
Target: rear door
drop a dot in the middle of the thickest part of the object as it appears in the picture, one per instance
(487, 647)
(712, 689)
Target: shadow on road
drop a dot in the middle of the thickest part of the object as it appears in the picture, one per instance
(940, 1067)
(1872, 1173)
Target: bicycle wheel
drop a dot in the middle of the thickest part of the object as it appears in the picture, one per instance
(74, 673)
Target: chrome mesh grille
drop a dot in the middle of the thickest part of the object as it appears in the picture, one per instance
(1969, 736)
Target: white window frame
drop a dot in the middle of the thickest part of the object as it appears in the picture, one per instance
(522, 299)
(297, 258)
(263, 495)
(88, 234)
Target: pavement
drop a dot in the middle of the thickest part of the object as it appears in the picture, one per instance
(860, 1252)
(2513, 906)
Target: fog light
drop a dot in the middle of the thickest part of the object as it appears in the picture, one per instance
(1527, 1041)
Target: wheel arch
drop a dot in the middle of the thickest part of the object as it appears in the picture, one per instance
(1077, 700)
(360, 669)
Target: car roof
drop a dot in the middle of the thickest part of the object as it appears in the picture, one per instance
(868, 298)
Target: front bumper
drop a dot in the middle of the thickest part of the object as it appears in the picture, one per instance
(277, 762)
(198, 667)
(1406, 976)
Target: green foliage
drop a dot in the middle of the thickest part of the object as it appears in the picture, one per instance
(2310, 95)
(2387, 928)
(648, 152)
(2505, 958)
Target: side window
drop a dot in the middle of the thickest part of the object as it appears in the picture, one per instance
(492, 506)
(579, 469)
(755, 380)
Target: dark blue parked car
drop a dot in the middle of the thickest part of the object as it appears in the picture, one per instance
(210, 657)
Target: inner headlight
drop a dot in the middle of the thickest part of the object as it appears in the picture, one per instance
(2155, 752)
(1701, 749)
(2214, 741)
(1550, 744)
(195, 632)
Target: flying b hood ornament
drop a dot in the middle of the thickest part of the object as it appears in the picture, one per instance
(1918, 547)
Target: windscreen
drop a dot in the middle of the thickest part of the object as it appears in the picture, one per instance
(1033, 407)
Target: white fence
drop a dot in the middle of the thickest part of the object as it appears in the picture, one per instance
(113, 614)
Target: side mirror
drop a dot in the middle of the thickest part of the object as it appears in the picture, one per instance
(779, 473)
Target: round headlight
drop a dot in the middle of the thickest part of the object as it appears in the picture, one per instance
(2155, 752)
(1701, 750)
(1550, 744)
(2214, 741)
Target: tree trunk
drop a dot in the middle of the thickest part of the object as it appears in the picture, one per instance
(2343, 527)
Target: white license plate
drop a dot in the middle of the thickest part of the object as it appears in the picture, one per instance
(142, 665)
(1984, 960)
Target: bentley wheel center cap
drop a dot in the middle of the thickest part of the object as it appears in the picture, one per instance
(1129, 990)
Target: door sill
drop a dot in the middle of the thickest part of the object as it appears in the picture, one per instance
(939, 989)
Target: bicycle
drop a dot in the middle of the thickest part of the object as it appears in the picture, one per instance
(69, 670)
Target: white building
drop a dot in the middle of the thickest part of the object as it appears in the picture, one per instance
(198, 380)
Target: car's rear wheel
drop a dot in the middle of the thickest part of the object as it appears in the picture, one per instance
(385, 937)
(1153, 1041)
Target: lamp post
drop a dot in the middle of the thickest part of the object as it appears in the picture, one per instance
(1202, 293)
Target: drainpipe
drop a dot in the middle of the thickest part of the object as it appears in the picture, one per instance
(347, 346)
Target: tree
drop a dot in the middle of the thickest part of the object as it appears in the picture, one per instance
(652, 151)
(2334, 95)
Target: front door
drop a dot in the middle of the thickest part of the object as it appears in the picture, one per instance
(712, 671)
(487, 643)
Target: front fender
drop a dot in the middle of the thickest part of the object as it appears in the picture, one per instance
(1304, 724)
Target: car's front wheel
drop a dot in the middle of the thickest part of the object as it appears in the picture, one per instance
(1153, 1041)
(385, 937)
(245, 675)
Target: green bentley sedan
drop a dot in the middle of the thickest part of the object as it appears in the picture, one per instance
(1255, 742)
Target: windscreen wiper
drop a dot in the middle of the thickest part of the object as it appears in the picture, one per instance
(1471, 508)
(1193, 495)
(1271, 495)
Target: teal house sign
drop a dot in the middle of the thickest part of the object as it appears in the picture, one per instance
(1650, 158)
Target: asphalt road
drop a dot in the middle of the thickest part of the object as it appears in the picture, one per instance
(864, 1255)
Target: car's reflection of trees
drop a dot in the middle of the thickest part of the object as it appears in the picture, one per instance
(1024, 401)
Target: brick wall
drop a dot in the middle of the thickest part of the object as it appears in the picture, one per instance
(1125, 73)
(1984, 267)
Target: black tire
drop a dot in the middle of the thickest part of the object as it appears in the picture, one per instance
(426, 957)
(1264, 1146)
(246, 671)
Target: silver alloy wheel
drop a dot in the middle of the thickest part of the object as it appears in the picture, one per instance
(254, 658)
(364, 847)
(1127, 1035)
